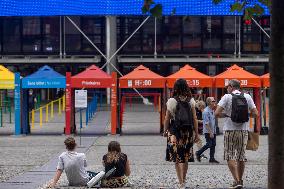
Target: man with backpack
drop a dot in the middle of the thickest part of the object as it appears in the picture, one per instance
(236, 107)
(209, 130)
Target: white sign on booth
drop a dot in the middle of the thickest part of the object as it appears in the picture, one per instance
(81, 98)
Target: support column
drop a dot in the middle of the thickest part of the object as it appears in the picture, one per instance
(114, 104)
(110, 46)
(258, 104)
(212, 72)
(68, 107)
(17, 104)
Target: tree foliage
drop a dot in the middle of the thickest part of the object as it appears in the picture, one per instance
(152, 8)
(241, 6)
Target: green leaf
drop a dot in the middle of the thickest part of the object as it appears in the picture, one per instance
(257, 10)
(217, 1)
(145, 10)
(247, 15)
(266, 3)
(237, 7)
(157, 10)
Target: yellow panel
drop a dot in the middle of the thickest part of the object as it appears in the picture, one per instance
(7, 78)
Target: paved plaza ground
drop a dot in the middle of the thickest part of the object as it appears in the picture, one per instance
(30, 161)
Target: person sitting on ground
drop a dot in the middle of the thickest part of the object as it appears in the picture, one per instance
(74, 164)
(118, 160)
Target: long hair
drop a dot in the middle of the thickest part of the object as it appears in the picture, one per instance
(114, 152)
(182, 89)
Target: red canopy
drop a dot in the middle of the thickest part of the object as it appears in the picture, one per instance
(266, 80)
(92, 77)
(142, 77)
(246, 78)
(193, 77)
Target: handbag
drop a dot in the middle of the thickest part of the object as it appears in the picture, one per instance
(253, 141)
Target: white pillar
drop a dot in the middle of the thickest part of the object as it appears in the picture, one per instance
(110, 46)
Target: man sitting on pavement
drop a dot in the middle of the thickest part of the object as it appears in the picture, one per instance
(74, 164)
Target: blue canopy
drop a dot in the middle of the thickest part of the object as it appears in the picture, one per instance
(45, 77)
(113, 7)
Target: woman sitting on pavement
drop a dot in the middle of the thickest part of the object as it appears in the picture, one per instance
(118, 160)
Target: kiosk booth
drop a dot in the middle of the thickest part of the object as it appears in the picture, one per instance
(91, 78)
(193, 77)
(150, 85)
(44, 78)
(248, 81)
(10, 81)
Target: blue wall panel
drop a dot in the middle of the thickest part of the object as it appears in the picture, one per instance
(111, 7)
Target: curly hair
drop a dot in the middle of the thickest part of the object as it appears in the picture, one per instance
(181, 88)
(114, 152)
(70, 143)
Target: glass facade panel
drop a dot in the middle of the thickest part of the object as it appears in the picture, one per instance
(175, 35)
(191, 25)
(192, 43)
(11, 35)
(230, 24)
(212, 33)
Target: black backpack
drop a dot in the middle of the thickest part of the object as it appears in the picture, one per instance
(183, 115)
(240, 112)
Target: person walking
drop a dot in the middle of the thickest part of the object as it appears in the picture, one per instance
(209, 130)
(236, 107)
(180, 123)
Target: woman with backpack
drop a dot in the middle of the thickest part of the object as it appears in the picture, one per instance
(180, 123)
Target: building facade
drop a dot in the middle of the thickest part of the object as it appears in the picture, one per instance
(209, 43)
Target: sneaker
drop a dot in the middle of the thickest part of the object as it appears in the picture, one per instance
(214, 161)
(198, 157)
(191, 159)
(236, 185)
(240, 184)
(203, 156)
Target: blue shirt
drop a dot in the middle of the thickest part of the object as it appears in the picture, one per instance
(208, 118)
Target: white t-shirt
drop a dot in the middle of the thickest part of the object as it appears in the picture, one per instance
(74, 165)
(172, 103)
(226, 103)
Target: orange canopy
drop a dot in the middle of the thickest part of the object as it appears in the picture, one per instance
(142, 77)
(266, 80)
(235, 72)
(193, 77)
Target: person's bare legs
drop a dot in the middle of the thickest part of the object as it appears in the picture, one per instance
(233, 168)
(240, 169)
(185, 169)
(179, 172)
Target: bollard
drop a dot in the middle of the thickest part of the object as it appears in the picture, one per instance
(51, 110)
(33, 118)
(87, 114)
(1, 117)
(59, 106)
(101, 99)
(46, 113)
(10, 113)
(63, 102)
(81, 121)
(40, 116)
